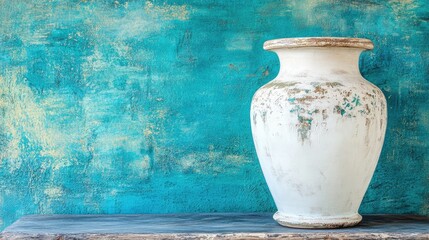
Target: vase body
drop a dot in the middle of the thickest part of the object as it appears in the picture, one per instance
(318, 130)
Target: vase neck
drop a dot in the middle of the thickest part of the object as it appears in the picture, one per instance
(318, 61)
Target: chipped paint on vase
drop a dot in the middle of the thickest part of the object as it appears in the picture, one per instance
(318, 129)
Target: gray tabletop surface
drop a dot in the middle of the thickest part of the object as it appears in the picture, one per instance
(206, 226)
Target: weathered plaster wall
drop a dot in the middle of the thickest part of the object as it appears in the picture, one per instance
(143, 106)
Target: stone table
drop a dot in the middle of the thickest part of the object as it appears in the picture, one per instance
(205, 226)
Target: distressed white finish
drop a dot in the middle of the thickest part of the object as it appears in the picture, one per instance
(318, 129)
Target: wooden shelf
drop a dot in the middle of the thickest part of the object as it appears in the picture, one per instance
(203, 226)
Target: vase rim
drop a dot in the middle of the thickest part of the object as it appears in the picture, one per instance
(319, 42)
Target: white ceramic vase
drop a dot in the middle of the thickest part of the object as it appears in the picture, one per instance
(318, 129)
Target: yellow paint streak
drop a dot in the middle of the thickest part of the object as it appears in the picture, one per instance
(148, 131)
(162, 113)
(151, 130)
(168, 12)
(140, 167)
(54, 192)
(236, 159)
(403, 8)
(209, 162)
(25, 117)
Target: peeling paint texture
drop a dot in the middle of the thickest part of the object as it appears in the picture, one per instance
(143, 106)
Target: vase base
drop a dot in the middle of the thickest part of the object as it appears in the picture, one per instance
(321, 222)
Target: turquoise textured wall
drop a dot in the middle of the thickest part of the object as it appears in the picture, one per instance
(143, 106)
